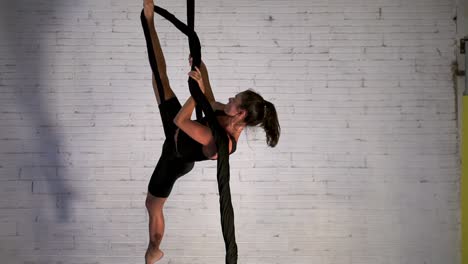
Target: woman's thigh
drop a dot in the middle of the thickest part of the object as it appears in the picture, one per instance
(168, 110)
(164, 176)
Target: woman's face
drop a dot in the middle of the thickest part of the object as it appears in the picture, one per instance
(232, 108)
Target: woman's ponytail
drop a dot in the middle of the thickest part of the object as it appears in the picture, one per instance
(271, 125)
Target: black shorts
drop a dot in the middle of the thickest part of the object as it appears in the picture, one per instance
(170, 167)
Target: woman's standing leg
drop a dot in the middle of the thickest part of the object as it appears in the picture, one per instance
(165, 90)
(156, 226)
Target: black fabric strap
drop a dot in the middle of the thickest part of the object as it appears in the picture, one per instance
(191, 25)
(191, 14)
(219, 134)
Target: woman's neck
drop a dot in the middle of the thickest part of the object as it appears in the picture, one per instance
(226, 123)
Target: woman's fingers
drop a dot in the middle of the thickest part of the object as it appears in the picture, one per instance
(192, 76)
(195, 75)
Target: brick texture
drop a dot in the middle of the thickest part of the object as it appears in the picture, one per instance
(366, 170)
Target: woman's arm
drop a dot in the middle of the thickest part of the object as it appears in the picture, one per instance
(185, 113)
(217, 105)
(183, 119)
(200, 133)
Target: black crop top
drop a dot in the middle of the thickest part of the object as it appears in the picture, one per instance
(190, 149)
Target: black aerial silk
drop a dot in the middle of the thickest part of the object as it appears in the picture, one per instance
(202, 104)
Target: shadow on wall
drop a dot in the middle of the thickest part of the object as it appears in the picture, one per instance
(30, 134)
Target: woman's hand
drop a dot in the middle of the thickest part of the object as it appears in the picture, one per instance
(197, 76)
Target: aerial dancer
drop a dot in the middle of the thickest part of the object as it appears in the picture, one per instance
(188, 141)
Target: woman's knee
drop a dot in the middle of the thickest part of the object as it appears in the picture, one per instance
(148, 203)
(154, 204)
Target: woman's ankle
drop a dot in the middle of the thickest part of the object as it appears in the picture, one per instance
(154, 246)
(152, 256)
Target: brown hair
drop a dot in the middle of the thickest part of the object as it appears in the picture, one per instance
(260, 111)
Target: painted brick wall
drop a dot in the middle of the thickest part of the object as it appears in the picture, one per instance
(365, 172)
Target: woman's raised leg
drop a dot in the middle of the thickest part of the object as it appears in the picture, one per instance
(156, 227)
(165, 92)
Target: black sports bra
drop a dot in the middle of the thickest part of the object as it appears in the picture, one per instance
(191, 150)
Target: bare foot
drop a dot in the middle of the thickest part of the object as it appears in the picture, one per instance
(152, 257)
(148, 6)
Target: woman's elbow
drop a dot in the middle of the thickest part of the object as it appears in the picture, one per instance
(179, 120)
(176, 120)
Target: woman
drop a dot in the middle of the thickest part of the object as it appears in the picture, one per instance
(188, 141)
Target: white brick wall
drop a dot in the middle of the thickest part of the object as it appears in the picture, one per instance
(366, 170)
